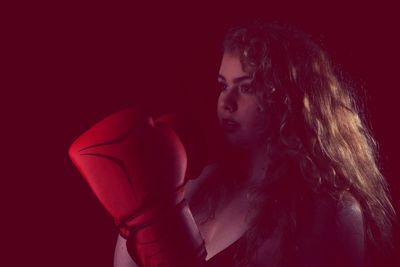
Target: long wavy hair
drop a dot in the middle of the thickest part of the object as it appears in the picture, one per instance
(317, 141)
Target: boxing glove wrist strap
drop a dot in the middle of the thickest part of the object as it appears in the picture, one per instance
(171, 239)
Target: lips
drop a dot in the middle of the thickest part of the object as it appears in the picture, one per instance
(229, 125)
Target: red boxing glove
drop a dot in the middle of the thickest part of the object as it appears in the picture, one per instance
(136, 168)
(194, 140)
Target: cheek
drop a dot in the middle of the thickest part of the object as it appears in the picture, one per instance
(256, 122)
(254, 116)
(257, 125)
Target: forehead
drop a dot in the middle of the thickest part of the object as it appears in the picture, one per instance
(231, 67)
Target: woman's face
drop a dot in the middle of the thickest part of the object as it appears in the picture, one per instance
(238, 112)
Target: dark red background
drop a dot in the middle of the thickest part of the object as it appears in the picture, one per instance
(67, 65)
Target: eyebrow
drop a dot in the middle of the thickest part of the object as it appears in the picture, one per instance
(238, 79)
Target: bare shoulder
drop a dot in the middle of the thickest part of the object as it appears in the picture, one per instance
(350, 226)
(349, 208)
(345, 214)
(345, 208)
(337, 234)
(192, 185)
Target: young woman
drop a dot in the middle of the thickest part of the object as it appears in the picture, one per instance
(300, 185)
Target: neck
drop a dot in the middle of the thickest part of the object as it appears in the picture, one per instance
(257, 166)
(253, 163)
(247, 165)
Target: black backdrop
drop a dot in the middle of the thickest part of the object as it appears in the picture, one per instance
(67, 65)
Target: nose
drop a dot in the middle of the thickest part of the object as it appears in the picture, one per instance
(229, 101)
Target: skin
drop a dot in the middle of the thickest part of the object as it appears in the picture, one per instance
(238, 102)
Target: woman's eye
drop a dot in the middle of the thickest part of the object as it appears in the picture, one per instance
(222, 86)
(246, 88)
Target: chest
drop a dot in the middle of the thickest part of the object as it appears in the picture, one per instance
(229, 224)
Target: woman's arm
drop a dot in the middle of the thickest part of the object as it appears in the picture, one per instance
(121, 256)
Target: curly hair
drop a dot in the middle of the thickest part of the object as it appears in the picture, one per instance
(317, 139)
